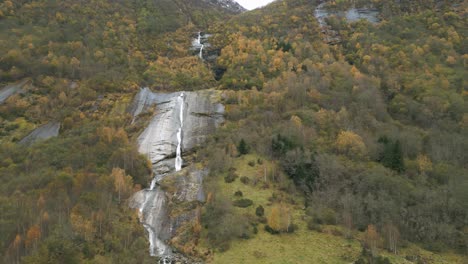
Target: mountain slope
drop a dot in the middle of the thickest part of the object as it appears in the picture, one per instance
(81, 61)
(366, 131)
(354, 152)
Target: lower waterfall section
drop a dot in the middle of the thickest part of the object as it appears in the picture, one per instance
(182, 122)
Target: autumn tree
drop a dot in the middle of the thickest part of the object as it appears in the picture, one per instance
(372, 239)
(351, 144)
(279, 219)
(32, 236)
(122, 183)
(16, 247)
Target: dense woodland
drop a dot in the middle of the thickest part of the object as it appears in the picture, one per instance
(366, 139)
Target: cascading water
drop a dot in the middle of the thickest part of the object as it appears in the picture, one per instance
(155, 197)
(200, 43)
(182, 122)
(178, 160)
(199, 38)
(201, 52)
(151, 235)
(153, 183)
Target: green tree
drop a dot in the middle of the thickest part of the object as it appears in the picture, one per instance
(242, 147)
(392, 155)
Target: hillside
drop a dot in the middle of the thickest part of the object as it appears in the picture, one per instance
(344, 138)
(357, 127)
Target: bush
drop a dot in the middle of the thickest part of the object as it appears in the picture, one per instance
(251, 163)
(312, 225)
(238, 194)
(271, 230)
(231, 177)
(243, 203)
(245, 180)
(324, 216)
(242, 148)
(329, 216)
(220, 225)
(260, 211)
(292, 228)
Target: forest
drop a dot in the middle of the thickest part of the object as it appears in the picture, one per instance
(344, 152)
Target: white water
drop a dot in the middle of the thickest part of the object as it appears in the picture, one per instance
(151, 239)
(172, 131)
(154, 222)
(155, 197)
(178, 160)
(153, 183)
(199, 38)
(181, 114)
(201, 52)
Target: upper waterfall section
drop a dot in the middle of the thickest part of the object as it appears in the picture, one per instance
(200, 113)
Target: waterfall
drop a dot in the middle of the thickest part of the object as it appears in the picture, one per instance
(152, 236)
(171, 132)
(154, 197)
(153, 183)
(201, 52)
(199, 38)
(178, 161)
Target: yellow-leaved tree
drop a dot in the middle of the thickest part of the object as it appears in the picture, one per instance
(280, 218)
(350, 144)
(122, 183)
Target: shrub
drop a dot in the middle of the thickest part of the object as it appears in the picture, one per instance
(271, 230)
(242, 148)
(238, 194)
(245, 180)
(243, 203)
(231, 177)
(329, 216)
(312, 225)
(260, 211)
(251, 163)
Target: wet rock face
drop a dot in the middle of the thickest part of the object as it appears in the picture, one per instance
(158, 141)
(42, 133)
(186, 186)
(154, 217)
(196, 115)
